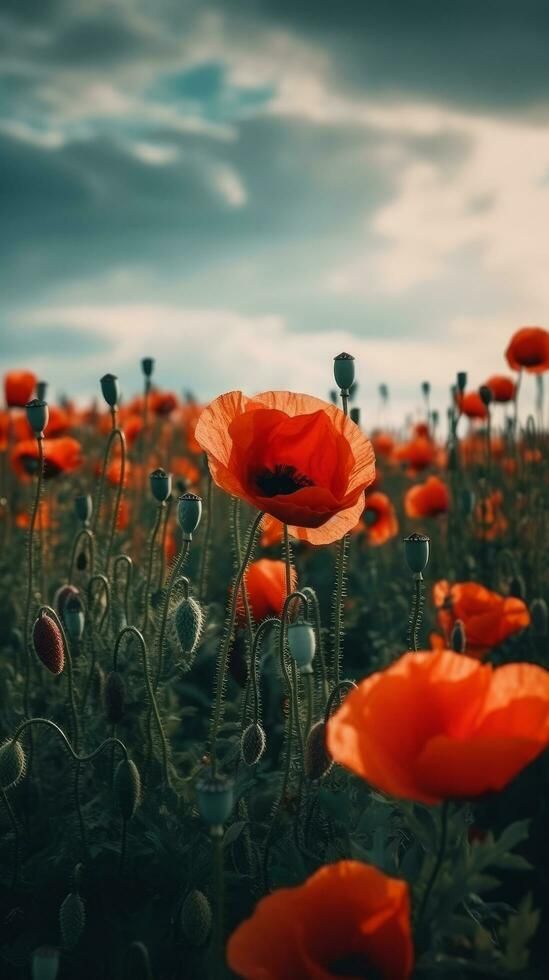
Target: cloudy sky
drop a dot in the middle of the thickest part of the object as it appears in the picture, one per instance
(242, 190)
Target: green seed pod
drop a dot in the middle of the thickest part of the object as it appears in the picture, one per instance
(83, 506)
(37, 415)
(110, 389)
(344, 371)
(13, 764)
(196, 918)
(302, 644)
(45, 963)
(486, 395)
(72, 919)
(317, 761)
(147, 366)
(458, 640)
(416, 550)
(114, 697)
(189, 512)
(252, 744)
(425, 388)
(461, 381)
(161, 484)
(127, 787)
(215, 799)
(538, 613)
(41, 390)
(354, 415)
(188, 621)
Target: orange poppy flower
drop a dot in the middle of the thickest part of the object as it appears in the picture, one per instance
(383, 443)
(266, 584)
(419, 453)
(190, 414)
(272, 531)
(44, 517)
(503, 389)
(60, 456)
(491, 522)
(472, 405)
(427, 499)
(132, 426)
(529, 350)
(436, 726)
(488, 617)
(348, 919)
(58, 422)
(379, 519)
(293, 456)
(18, 388)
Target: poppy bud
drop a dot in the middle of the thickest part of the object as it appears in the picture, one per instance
(333, 396)
(72, 919)
(538, 612)
(354, 415)
(215, 799)
(61, 597)
(384, 392)
(147, 366)
(45, 963)
(41, 390)
(252, 744)
(426, 388)
(458, 640)
(302, 644)
(37, 416)
(517, 587)
(486, 395)
(114, 697)
(317, 761)
(435, 417)
(196, 918)
(13, 764)
(110, 389)
(73, 617)
(416, 550)
(189, 512)
(344, 371)
(83, 506)
(188, 621)
(127, 788)
(48, 643)
(461, 379)
(161, 485)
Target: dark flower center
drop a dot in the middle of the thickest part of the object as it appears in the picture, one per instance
(531, 358)
(30, 465)
(370, 517)
(281, 480)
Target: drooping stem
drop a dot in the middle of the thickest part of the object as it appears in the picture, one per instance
(170, 585)
(150, 562)
(439, 859)
(30, 576)
(342, 688)
(227, 637)
(115, 433)
(133, 631)
(319, 655)
(85, 533)
(207, 543)
(128, 564)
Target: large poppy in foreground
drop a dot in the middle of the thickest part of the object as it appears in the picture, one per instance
(529, 350)
(438, 726)
(295, 457)
(60, 456)
(347, 920)
(488, 617)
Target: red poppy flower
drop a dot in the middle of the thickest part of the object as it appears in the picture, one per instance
(488, 617)
(186, 470)
(347, 920)
(132, 426)
(162, 402)
(472, 405)
(419, 453)
(266, 584)
(18, 388)
(58, 422)
(503, 389)
(436, 726)
(529, 350)
(490, 520)
(427, 499)
(44, 517)
(383, 443)
(379, 519)
(60, 456)
(293, 456)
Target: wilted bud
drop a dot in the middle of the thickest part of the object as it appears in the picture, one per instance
(73, 617)
(127, 788)
(72, 919)
(189, 512)
(196, 918)
(161, 485)
(37, 416)
(215, 799)
(45, 963)
(147, 366)
(354, 415)
(83, 506)
(416, 550)
(114, 696)
(344, 371)
(110, 389)
(188, 621)
(486, 395)
(48, 643)
(458, 640)
(252, 744)
(461, 379)
(302, 644)
(13, 764)
(317, 761)
(538, 613)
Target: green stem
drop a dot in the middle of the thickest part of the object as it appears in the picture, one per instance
(439, 859)
(206, 545)
(86, 533)
(337, 626)
(30, 570)
(146, 595)
(165, 608)
(15, 829)
(128, 563)
(218, 944)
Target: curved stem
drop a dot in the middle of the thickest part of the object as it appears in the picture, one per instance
(30, 571)
(99, 577)
(115, 433)
(348, 686)
(124, 560)
(87, 533)
(133, 631)
(146, 595)
(312, 596)
(66, 742)
(165, 608)
(206, 544)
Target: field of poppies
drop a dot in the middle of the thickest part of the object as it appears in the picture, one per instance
(274, 686)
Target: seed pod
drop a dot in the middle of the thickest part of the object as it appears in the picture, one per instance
(188, 621)
(344, 371)
(147, 366)
(458, 640)
(189, 512)
(73, 617)
(161, 484)
(83, 506)
(538, 613)
(61, 596)
(302, 644)
(317, 761)
(72, 919)
(486, 395)
(114, 697)
(48, 643)
(110, 389)
(13, 763)
(354, 415)
(37, 415)
(215, 799)
(461, 380)
(196, 918)
(45, 963)
(416, 550)
(127, 787)
(252, 744)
